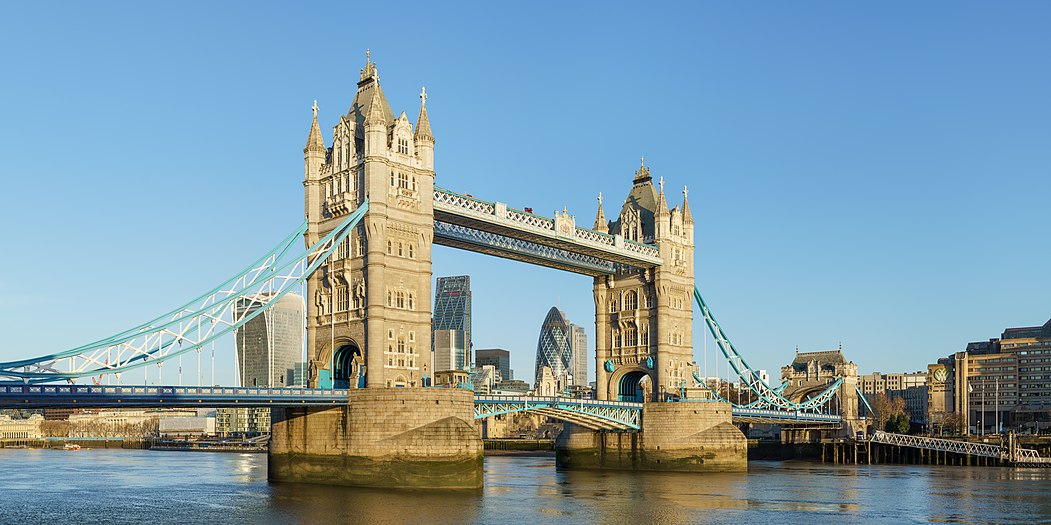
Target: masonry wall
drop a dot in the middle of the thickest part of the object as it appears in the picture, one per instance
(686, 437)
(383, 438)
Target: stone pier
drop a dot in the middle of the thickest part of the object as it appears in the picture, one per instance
(384, 437)
(680, 437)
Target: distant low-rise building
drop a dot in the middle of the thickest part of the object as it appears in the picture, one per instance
(911, 387)
(20, 430)
(187, 427)
(242, 422)
(511, 387)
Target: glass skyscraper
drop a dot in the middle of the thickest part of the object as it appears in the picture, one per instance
(270, 345)
(553, 349)
(578, 342)
(452, 311)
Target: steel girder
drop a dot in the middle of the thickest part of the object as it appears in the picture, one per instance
(192, 326)
(490, 243)
(495, 217)
(597, 415)
(768, 396)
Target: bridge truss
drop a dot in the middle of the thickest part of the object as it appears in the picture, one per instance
(596, 415)
(767, 397)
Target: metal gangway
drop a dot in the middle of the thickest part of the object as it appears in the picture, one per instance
(1008, 453)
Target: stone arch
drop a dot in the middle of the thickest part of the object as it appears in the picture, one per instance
(344, 367)
(631, 383)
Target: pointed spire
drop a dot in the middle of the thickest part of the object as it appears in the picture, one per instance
(315, 142)
(423, 124)
(643, 173)
(375, 115)
(687, 217)
(600, 218)
(369, 71)
(662, 202)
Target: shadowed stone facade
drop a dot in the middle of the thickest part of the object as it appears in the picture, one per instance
(384, 437)
(382, 272)
(644, 317)
(682, 437)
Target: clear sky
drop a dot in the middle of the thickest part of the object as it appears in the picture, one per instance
(871, 174)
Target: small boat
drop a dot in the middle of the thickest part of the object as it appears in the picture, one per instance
(72, 446)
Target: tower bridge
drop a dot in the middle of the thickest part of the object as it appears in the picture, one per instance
(373, 213)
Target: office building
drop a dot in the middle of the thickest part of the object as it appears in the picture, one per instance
(1000, 384)
(578, 344)
(452, 311)
(553, 351)
(911, 387)
(270, 344)
(450, 350)
(499, 358)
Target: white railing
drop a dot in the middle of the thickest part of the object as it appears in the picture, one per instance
(471, 206)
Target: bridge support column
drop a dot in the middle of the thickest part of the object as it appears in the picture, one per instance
(680, 437)
(384, 437)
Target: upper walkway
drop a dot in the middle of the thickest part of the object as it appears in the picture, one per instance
(493, 228)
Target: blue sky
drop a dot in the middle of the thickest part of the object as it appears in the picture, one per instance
(876, 175)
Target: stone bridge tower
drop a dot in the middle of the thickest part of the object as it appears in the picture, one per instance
(644, 317)
(368, 307)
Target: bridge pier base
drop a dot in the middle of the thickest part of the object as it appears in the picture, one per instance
(679, 437)
(384, 437)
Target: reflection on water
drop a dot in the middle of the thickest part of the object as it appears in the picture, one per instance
(122, 486)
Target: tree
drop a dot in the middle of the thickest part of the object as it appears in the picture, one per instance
(885, 408)
(897, 424)
(953, 423)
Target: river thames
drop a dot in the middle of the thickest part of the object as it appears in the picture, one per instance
(138, 486)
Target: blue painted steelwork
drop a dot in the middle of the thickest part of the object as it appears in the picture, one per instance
(619, 416)
(767, 396)
(98, 396)
(518, 249)
(761, 415)
(215, 314)
(596, 415)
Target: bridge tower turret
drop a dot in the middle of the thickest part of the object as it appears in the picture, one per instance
(644, 317)
(313, 159)
(368, 316)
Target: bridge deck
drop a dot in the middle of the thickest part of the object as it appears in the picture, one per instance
(102, 396)
(599, 415)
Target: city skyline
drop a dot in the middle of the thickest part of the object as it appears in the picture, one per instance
(865, 194)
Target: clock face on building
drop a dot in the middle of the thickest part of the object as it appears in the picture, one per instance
(939, 374)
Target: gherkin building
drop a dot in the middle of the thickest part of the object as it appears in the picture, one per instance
(553, 348)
